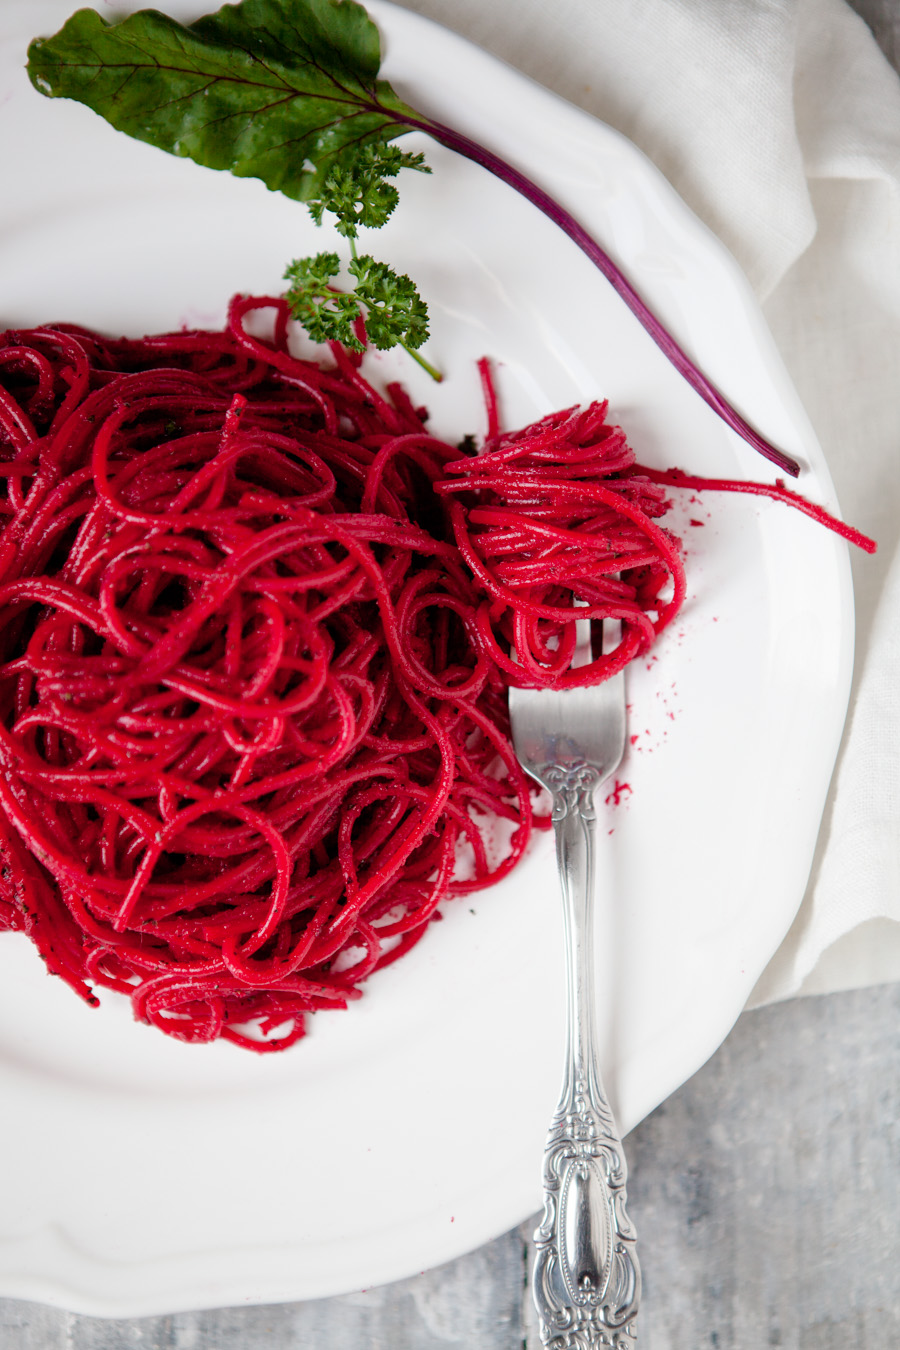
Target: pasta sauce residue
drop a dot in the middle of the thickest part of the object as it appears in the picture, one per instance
(256, 631)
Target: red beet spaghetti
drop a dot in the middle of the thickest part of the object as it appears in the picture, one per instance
(256, 631)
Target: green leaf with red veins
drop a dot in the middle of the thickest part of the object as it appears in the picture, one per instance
(285, 93)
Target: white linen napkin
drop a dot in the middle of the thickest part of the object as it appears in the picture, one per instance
(778, 122)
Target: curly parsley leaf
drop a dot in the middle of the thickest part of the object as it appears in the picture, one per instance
(395, 312)
(282, 92)
(358, 193)
(327, 314)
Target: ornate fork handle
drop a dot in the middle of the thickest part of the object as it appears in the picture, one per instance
(587, 1281)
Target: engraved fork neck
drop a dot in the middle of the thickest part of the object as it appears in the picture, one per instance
(572, 788)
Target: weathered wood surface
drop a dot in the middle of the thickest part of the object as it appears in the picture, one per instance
(767, 1192)
(883, 17)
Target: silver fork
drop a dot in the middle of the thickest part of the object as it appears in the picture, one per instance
(586, 1279)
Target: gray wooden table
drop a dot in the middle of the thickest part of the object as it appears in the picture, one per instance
(766, 1191)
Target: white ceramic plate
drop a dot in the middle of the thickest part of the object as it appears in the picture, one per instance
(139, 1175)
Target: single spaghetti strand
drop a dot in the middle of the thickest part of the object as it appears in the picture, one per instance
(776, 491)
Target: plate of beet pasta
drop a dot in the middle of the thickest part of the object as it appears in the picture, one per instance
(281, 951)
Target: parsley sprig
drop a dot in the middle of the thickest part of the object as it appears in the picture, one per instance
(359, 194)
